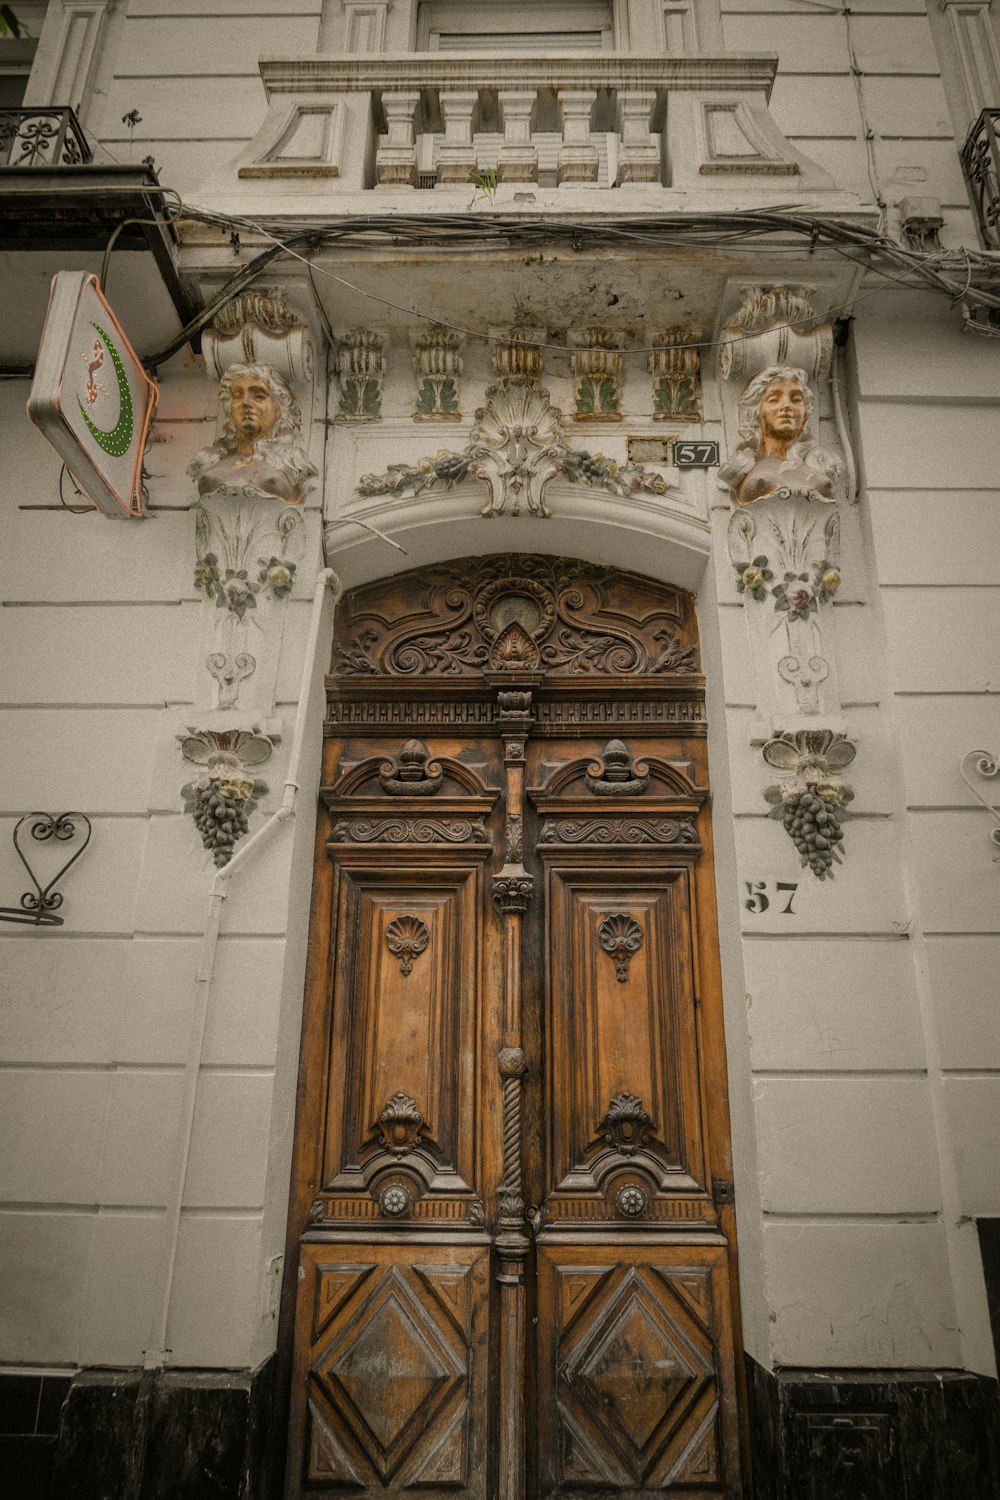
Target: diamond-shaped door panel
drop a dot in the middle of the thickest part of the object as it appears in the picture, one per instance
(393, 1371)
(630, 1396)
(388, 1371)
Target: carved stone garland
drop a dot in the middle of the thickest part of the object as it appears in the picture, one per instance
(516, 448)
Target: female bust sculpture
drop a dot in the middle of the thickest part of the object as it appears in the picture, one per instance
(776, 456)
(256, 452)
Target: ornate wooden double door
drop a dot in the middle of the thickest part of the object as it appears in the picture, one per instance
(512, 1199)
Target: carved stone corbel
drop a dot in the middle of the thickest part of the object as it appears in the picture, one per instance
(675, 365)
(361, 367)
(437, 365)
(811, 799)
(249, 536)
(517, 354)
(786, 476)
(256, 328)
(226, 792)
(597, 373)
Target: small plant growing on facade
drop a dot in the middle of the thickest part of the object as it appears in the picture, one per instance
(811, 802)
(486, 184)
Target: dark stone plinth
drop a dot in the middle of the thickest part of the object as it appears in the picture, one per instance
(125, 1435)
(873, 1435)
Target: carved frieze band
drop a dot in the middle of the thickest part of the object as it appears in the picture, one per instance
(366, 713)
(410, 831)
(619, 831)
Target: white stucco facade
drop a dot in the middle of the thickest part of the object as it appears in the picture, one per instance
(862, 1038)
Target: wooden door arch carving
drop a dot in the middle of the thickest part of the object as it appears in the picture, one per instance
(511, 1209)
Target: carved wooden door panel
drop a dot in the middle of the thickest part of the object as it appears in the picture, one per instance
(511, 1217)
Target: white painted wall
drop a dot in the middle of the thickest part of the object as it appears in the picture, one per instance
(863, 1046)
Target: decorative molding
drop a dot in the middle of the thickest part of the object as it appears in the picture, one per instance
(412, 773)
(631, 1201)
(784, 483)
(517, 354)
(437, 364)
(361, 366)
(566, 618)
(619, 831)
(512, 889)
(616, 774)
(626, 1125)
(621, 938)
(985, 764)
(811, 799)
(776, 325)
(516, 448)
(787, 547)
(597, 374)
(249, 535)
(675, 365)
(410, 831)
(400, 1124)
(406, 938)
(256, 328)
(223, 797)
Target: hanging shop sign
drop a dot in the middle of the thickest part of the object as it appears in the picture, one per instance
(91, 398)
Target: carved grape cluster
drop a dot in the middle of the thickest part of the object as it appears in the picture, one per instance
(221, 819)
(814, 828)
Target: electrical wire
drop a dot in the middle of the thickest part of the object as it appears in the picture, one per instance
(873, 250)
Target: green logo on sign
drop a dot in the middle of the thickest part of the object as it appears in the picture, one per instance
(119, 439)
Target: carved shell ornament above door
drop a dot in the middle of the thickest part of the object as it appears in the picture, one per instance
(519, 613)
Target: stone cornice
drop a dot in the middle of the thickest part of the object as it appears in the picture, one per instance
(322, 74)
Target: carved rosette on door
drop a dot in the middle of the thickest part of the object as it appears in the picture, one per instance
(512, 1057)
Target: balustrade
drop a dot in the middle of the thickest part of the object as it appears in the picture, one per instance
(42, 138)
(981, 165)
(448, 121)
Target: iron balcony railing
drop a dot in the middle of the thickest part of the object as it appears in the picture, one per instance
(42, 138)
(981, 165)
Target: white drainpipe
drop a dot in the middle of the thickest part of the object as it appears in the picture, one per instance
(156, 1352)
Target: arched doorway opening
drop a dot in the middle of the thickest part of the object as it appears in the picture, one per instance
(512, 1202)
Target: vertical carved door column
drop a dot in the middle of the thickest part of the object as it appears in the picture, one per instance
(512, 890)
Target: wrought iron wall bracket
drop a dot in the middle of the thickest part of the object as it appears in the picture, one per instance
(986, 764)
(38, 907)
